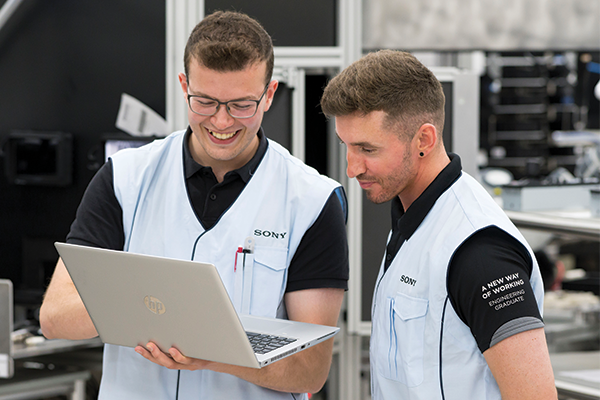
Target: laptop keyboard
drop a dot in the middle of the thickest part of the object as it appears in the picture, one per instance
(263, 343)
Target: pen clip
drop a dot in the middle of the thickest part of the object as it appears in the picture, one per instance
(249, 245)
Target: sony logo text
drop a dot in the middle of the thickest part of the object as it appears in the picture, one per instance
(271, 234)
(408, 280)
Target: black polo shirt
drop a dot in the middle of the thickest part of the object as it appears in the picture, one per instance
(321, 260)
(489, 255)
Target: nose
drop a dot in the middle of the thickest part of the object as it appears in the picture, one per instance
(222, 120)
(356, 165)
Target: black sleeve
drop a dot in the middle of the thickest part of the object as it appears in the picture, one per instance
(321, 260)
(99, 218)
(488, 284)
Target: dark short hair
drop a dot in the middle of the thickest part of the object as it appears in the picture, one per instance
(229, 41)
(391, 81)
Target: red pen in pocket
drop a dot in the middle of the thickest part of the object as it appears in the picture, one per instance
(239, 250)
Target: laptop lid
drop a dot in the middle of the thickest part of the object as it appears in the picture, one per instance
(133, 299)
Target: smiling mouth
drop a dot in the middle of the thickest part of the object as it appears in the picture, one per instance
(222, 136)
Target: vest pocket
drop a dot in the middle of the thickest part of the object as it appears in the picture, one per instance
(268, 283)
(402, 344)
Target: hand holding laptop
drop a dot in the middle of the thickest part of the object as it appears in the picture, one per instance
(129, 298)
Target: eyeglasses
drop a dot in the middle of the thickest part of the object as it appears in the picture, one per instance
(236, 108)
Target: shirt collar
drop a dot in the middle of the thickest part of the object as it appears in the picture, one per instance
(191, 167)
(408, 222)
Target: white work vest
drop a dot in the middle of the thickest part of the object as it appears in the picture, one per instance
(280, 202)
(411, 310)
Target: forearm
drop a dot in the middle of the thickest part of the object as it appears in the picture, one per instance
(65, 318)
(305, 372)
(63, 315)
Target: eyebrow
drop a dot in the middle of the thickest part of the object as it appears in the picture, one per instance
(200, 94)
(356, 144)
(195, 93)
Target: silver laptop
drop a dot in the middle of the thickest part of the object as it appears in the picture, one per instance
(134, 299)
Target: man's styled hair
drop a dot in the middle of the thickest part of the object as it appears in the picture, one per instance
(391, 81)
(229, 41)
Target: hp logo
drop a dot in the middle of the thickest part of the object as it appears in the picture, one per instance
(155, 305)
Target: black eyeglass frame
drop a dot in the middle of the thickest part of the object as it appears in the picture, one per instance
(226, 104)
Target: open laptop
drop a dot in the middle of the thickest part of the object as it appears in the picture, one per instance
(133, 299)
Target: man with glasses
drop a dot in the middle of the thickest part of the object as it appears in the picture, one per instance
(201, 194)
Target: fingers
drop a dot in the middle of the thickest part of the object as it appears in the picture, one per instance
(172, 360)
(178, 357)
(151, 352)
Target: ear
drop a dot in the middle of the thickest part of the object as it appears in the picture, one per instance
(273, 85)
(426, 139)
(183, 83)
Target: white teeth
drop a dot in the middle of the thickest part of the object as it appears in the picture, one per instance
(222, 136)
